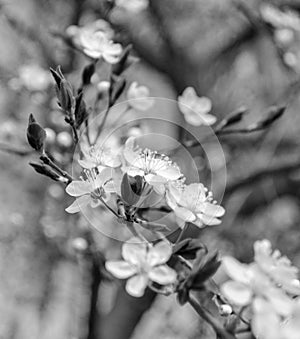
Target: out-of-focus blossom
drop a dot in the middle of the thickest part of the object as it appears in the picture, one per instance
(51, 135)
(138, 97)
(284, 36)
(100, 157)
(95, 41)
(34, 78)
(142, 264)
(74, 32)
(133, 6)
(89, 190)
(278, 18)
(64, 139)
(278, 268)
(157, 169)
(103, 86)
(268, 285)
(195, 109)
(96, 45)
(291, 328)
(193, 203)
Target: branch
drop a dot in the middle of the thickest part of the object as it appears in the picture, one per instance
(208, 317)
(259, 175)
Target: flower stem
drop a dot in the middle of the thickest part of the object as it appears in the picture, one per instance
(208, 317)
(108, 207)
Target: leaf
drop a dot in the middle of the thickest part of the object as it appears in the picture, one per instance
(188, 248)
(203, 268)
(127, 192)
(153, 226)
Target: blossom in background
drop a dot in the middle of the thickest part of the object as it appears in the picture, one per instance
(268, 285)
(157, 169)
(95, 41)
(33, 78)
(278, 268)
(97, 45)
(89, 190)
(133, 6)
(142, 264)
(99, 25)
(193, 203)
(195, 109)
(138, 97)
(96, 156)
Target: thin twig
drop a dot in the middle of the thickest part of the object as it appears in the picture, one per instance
(208, 317)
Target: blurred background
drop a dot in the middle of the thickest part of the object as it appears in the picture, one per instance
(49, 286)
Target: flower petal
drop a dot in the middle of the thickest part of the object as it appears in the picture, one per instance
(78, 187)
(213, 210)
(163, 275)
(209, 220)
(136, 285)
(134, 251)
(79, 204)
(159, 254)
(235, 270)
(237, 293)
(120, 269)
(184, 214)
(170, 172)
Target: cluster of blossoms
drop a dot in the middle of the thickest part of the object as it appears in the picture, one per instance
(103, 168)
(123, 178)
(104, 179)
(270, 288)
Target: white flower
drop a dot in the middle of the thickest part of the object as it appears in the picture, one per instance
(142, 264)
(34, 78)
(96, 156)
(193, 203)
(97, 45)
(89, 190)
(278, 268)
(138, 97)
(134, 6)
(75, 32)
(195, 109)
(291, 328)
(157, 169)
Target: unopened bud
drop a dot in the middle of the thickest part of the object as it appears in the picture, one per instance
(225, 310)
(36, 135)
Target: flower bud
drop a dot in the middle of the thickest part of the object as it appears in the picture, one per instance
(44, 170)
(36, 135)
(225, 310)
(65, 96)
